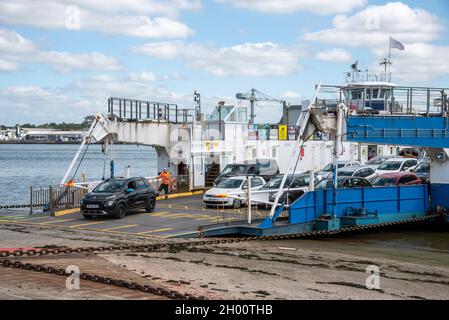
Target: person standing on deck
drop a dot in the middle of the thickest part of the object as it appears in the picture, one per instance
(165, 181)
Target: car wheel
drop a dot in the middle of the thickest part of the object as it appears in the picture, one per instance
(237, 203)
(87, 216)
(120, 211)
(151, 204)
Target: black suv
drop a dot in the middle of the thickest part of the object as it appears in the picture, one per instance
(114, 197)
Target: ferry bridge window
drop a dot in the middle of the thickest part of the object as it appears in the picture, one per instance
(356, 94)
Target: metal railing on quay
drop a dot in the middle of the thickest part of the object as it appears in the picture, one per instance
(54, 198)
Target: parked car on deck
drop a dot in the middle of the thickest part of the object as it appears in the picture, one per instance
(297, 185)
(263, 195)
(396, 165)
(395, 179)
(422, 171)
(221, 194)
(356, 171)
(116, 197)
(329, 168)
(343, 182)
(265, 168)
(376, 161)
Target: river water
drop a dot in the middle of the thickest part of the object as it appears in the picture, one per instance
(23, 165)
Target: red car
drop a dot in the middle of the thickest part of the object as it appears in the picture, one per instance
(396, 179)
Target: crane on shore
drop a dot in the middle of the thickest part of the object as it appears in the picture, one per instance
(255, 95)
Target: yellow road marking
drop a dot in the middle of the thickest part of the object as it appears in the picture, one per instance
(186, 207)
(56, 221)
(86, 224)
(157, 214)
(179, 215)
(68, 211)
(120, 227)
(157, 230)
(170, 206)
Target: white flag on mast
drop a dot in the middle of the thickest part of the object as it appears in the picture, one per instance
(396, 44)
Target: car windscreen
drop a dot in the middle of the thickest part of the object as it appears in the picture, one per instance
(376, 160)
(275, 183)
(109, 186)
(230, 184)
(325, 184)
(383, 181)
(390, 165)
(423, 167)
(345, 173)
(330, 166)
(234, 169)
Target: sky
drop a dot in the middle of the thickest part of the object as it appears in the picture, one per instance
(60, 59)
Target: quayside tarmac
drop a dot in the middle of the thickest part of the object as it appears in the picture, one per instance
(413, 260)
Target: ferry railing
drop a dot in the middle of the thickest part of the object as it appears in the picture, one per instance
(180, 183)
(135, 110)
(425, 101)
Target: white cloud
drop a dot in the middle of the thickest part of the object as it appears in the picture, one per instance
(247, 59)
(11, 42)
(418, 62)
(139, 18)
(286, 7)
(148, 76)
(68, 61)
(334, 55)
(142, 76)
(15, 49)
(6, 65)
(290, 95)
(372, 26)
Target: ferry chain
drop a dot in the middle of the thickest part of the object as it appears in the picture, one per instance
(17, 206)
(153, 247)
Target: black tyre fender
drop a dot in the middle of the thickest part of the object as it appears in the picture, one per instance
(119, 214)
(151, 204)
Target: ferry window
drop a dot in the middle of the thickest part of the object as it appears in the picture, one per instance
(232, 116)
(356, 94)
(375, 93)
(381, 94)
(241, 114)
(254, 153)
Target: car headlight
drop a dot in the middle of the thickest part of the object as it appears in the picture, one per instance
(110, 203)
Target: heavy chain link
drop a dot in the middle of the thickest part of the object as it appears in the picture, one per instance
(172, 294)
(153, 247)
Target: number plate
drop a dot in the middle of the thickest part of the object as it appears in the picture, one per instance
(92, 206)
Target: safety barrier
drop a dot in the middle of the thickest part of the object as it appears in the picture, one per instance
(54, 198)
(394, 200)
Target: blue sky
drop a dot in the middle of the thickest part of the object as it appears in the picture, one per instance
(59, 59)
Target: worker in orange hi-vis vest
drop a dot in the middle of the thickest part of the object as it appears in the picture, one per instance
(165, 181)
